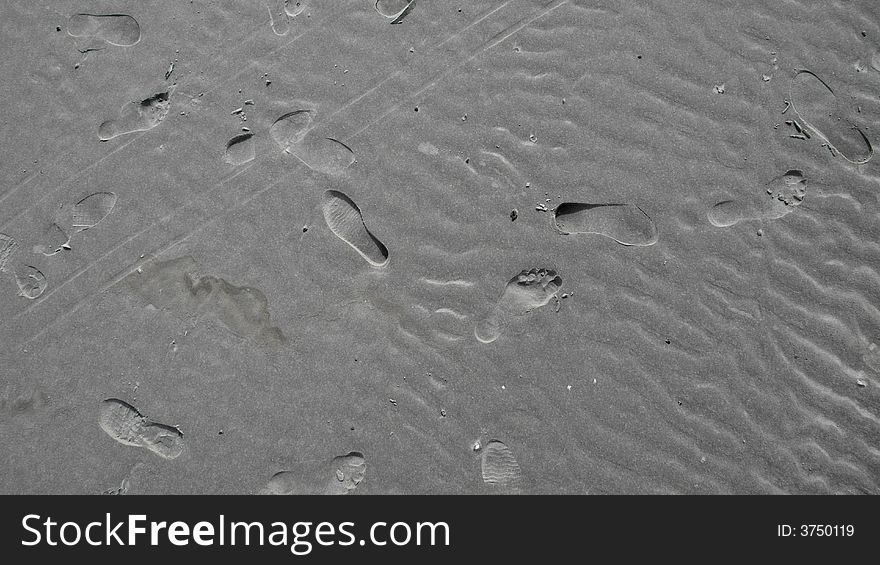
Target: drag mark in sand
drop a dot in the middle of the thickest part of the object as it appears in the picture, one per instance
(115, 29)
(783, 194)
(125, 424)
(344, 219)
(172, 285)
(626, 224)
(525, 292)
(137, 116)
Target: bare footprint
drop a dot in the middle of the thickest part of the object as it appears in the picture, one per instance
(500, 468)
(278, 18)
(137, 116)
(344, 219)
(342, 475)
(323, 154)
(115, 29)
(240, 150)
(782, 195)
(91, 210)
(523, 293)
(125, 424)
(829, 117)
(293, 8)
(31, 282)
(290, 128)
(395, 10)
(626, 224)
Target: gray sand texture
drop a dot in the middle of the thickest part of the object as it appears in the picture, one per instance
(356, 247)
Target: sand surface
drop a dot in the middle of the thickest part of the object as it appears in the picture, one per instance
(495, 246)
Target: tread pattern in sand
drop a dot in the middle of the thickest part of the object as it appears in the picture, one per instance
(115, 29)
(91, 210)
(344, 219)
(781, 196)
(173, 285)
(500, 468)
(626, 224)
(340, 476)
(137, 116)
(8, 247)
(528, 290)
(240, 150)
(829, 117)
(31, 282)
(124, 423)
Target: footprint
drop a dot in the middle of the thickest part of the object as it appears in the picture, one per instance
(86, 214)
(125, 424)
(31, 282)
(173, 285)
(523, 293)
(137, 116)
(782, 195)
(91, 210)
(55, 239)
(240, 149)
(626, 224)
(8, 247)
(121, 489)
(499, 467)
(278, 18)
(115, 29)
(323, 154)
(290, 128)
(395, 10)
(345, 220)
(341, 476)
(829, 117)
(293, 8)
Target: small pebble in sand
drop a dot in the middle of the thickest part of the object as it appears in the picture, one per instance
(514, 215)
(861, 383)
(760, 233)
(719, 88)
(477, 446)
(443, 413)
(766, 78)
